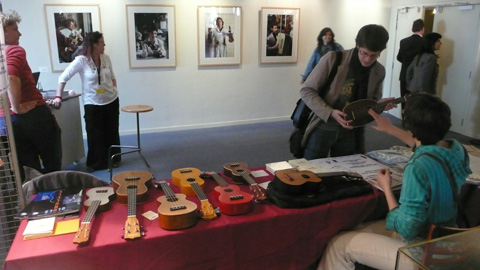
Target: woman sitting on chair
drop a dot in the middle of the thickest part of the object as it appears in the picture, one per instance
(427, 196)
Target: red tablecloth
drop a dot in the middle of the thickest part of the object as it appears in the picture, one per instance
(269, 237)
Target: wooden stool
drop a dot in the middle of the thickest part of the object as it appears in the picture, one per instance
(131, 109)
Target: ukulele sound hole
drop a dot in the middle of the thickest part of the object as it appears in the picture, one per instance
(173, 199)
(306, 176)
(240, 170)
(191, 180)
(228, 190)
(132, 187)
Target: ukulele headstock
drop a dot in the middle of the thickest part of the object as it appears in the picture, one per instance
(133, 230)
(83, 234)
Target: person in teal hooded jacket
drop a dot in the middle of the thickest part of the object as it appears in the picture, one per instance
(427, 197)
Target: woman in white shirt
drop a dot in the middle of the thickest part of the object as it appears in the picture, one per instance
(100, 99)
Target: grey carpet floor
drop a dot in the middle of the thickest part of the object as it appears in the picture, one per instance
(209, 148)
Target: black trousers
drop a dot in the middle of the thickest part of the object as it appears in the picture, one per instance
(101, 123)
(38, 140)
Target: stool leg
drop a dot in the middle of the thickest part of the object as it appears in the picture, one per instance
(138, 131)
(137, 148)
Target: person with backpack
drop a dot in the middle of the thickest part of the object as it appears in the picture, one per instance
(359, 76)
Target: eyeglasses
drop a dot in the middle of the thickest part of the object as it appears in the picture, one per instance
(364, 54)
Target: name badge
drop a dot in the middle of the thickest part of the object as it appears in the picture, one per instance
(100, 91)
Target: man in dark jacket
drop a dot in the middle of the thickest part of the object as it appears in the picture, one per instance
(409, 47)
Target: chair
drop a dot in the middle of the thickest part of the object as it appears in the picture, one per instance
(72, 180)
(448, 253)
(137, 109)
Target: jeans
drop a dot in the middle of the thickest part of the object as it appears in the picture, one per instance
(338, 143)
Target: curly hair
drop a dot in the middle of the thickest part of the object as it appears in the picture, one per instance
(10, 18)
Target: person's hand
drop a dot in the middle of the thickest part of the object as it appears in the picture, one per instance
(339, 116)
(56, 102)
(383, 123)
(26, 107)
(384, 179)
(390, 105)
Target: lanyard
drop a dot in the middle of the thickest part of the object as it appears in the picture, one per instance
(98, 69)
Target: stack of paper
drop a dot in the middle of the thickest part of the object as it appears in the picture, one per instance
(305, 165)
(276, 166)
(39, 228)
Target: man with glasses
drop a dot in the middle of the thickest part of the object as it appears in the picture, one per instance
(359, 76)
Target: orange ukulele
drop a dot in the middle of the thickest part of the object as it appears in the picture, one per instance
(98, 199)
(240, 173)
(175, 211)
(132, 185)
(231, 200)
(185, 177)
(206, 207)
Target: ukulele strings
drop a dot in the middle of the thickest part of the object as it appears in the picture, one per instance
(170, 195)
(223, 183)
(364, 112)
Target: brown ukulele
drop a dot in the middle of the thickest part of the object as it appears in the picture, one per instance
(98, 199)
(175, 211)
(132, 185)
(240, 173)
(357, 111)
(291, 181)
(185, 177)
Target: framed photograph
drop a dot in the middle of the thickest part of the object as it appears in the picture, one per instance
(279, 35)
(151, 36)
(219, 35)
(66, 27)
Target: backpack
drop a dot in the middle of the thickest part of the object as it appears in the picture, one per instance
(302, 114)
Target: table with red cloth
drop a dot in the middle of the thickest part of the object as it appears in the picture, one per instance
(268, 237)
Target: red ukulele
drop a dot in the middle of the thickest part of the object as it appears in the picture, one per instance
(231, 200)
(240, 173)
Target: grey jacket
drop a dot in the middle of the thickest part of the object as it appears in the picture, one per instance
(422, 76)
(321, 106)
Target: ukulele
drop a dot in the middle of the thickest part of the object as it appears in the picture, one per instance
(98, 199)
(293, 182)
(231, 200)
(185, 177)
(357, 111)
(240, 173)
(132, 185)
(174, 210)
(206, 207)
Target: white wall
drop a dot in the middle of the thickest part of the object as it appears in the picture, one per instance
(471, 122)
(189, 96)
